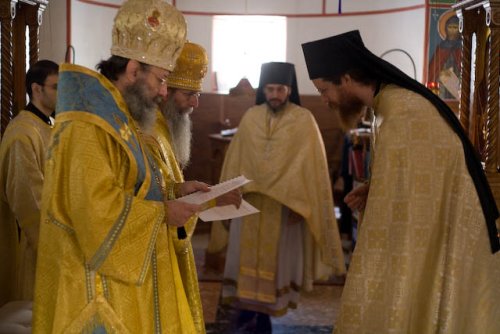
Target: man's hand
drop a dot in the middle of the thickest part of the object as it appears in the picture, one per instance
(179, 212)
(232, 197)
(189, 187)
(356, 199)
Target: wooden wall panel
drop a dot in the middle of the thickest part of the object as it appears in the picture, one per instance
(217, 112)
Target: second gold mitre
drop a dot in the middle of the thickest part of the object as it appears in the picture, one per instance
(191, 68)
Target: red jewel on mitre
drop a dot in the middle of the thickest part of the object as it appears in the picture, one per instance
(153, 19)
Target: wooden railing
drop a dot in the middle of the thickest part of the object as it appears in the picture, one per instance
(479, 92)
(17, 16)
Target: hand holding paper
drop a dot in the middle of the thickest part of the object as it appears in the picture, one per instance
(221, 212)
(232, 197)
(189, 187)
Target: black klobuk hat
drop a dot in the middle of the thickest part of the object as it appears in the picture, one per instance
(278, 73)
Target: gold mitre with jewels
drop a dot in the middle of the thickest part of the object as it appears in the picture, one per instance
(150, 31)
(191, 68)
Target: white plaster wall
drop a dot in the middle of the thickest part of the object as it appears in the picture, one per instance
(379, 32)
(91, 28)
(361, 6)
(52, 33)
(249, 7)
(91, 32)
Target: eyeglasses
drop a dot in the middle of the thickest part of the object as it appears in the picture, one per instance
(53, 86)
(161, 81)
(190, 94)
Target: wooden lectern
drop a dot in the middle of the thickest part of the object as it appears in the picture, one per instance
(479, 91)
(20, 21)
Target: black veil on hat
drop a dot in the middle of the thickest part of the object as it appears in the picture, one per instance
(336, 55)
(278, 73)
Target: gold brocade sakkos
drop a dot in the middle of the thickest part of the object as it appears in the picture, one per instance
(106, 258)
(190, 69)
(163, 152)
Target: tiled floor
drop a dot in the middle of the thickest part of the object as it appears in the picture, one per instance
(316, 312)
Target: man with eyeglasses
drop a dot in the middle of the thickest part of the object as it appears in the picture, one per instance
(174, 126)
(172, 143)
(22, 159)
(274, 255)
(106, 260)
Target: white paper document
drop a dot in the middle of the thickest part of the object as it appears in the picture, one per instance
(221, 212)
(227, 212)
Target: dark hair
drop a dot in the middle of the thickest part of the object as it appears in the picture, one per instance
(359, 74)
(451, 20)
(114, 66)
(39, 72)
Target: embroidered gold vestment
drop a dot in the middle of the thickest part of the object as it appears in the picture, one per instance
(22, 160)
(106, 257)
(284, 156)
(183, 248)
(422, 262)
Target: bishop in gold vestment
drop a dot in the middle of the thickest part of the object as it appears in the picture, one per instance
(114, 263)
(172, 144)
(161, 149)
(107, 261)
(190, 69)
(183, 247)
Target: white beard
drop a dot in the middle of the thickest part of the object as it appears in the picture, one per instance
(180, 126)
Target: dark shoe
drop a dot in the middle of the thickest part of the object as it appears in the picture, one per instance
(245, 316)
(264, 325)
(245, 322)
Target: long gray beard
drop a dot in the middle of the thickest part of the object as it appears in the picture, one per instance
(180, 126)
(141, 108)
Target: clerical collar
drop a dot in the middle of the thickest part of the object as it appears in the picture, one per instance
(32, 108)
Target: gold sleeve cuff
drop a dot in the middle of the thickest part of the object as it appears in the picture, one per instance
(170, 191)
(177, 190)
(210, 204)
